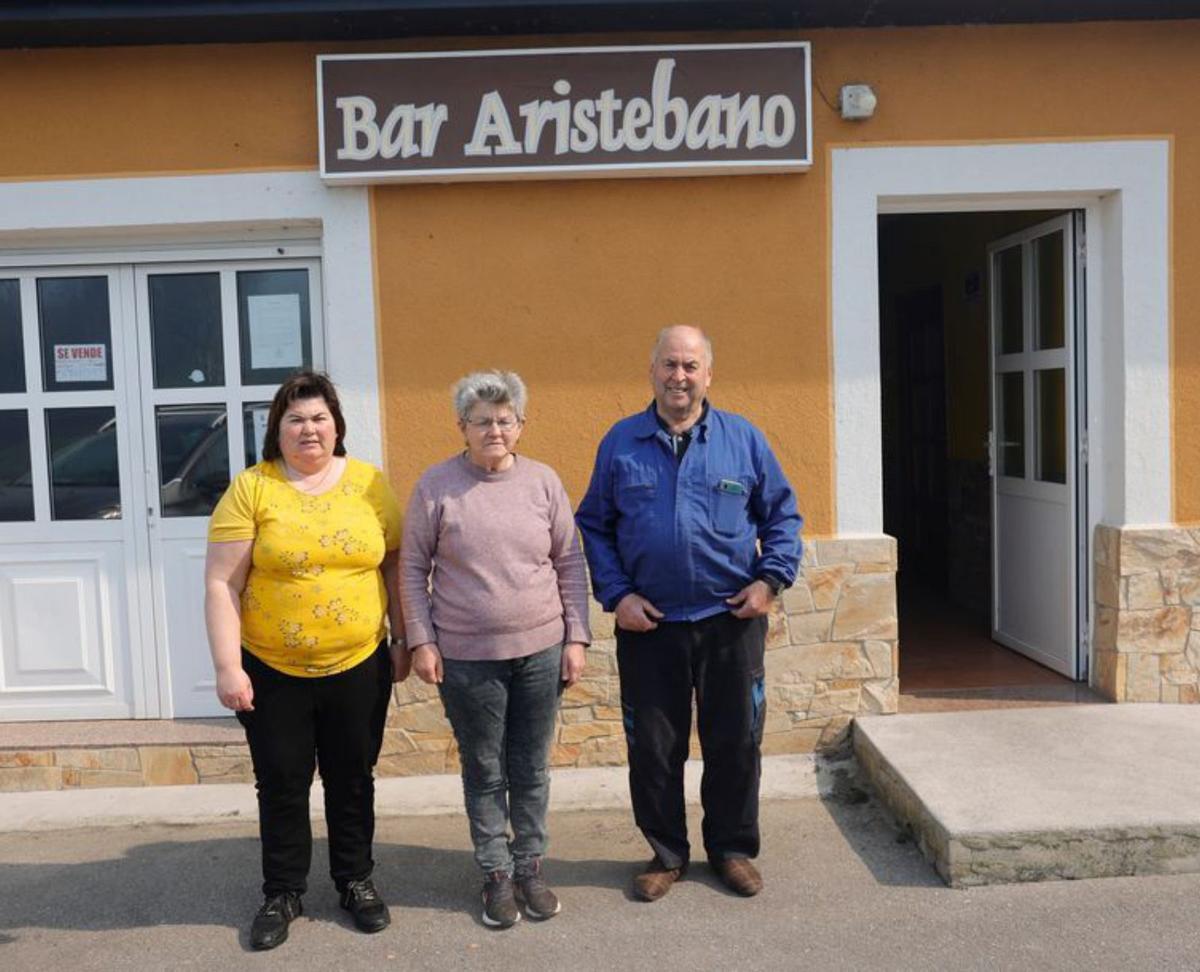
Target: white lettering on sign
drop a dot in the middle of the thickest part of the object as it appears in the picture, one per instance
(80, 362)
(363, 139)
(663, 122)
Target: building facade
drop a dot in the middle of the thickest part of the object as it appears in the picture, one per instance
(169, 249)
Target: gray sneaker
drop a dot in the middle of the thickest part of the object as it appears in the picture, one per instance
(540, 901)
(499, 901)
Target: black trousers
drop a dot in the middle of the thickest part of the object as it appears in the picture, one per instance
(719, 662)
(336, 722)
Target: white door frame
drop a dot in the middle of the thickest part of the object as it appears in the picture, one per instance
(1123, 186)
(119, 221)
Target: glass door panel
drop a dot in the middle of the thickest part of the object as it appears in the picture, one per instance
(16, 467)
(1049, 306)
(185, 329)
(274, 324)
(76, 333)
(1009, 297)
(193, 458)
(84, 468)
(1012, 424)
(12, 355)
(254, 430)
(1050, 403)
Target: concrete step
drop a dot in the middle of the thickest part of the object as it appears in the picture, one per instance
(1083, 791)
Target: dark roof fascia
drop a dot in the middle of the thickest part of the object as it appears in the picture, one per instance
(96, 22)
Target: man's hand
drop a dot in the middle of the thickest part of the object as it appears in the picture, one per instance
(635, 613)
(427, 663)
(234, 689)
(401, 661)
(752, 601)
(573, 660)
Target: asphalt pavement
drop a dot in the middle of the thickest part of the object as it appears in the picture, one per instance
(844, 890)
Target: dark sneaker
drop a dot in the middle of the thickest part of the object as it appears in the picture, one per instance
(499, 901)
(363, 902)
(739, 875)
(656, 880)
(270, 927)
(540, 901)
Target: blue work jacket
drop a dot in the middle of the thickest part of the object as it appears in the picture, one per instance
(687, 534)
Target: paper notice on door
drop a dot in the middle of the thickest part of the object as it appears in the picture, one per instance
(80, 362)
(275, 337)
(259, 416)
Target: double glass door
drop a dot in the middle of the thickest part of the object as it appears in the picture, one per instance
(129, 395)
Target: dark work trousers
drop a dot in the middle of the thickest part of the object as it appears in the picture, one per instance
(719, 661)
(336, 722)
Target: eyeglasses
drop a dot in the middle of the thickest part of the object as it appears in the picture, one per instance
(506, 424)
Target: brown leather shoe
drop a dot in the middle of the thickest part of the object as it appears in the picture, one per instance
(656, 880)
(739, 875)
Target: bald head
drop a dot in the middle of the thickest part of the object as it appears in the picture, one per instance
(680, 373)
(685, 331)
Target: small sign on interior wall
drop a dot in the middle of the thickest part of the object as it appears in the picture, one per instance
(973, 286)
(80, 363)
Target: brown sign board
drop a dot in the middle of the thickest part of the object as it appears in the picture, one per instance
(711, 109)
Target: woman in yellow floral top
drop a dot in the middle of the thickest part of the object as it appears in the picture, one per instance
(302, 552)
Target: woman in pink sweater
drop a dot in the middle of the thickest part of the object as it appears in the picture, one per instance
(494, 593)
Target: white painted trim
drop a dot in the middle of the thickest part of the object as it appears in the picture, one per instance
(111, 220)
(1124, 187)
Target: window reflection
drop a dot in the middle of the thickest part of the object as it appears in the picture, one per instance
(254, 429)
(84, 479)
(193, 458)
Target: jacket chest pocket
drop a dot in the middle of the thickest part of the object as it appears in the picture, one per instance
(728, 510)
(636, 489)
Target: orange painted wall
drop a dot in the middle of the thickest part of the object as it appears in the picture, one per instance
(567, 281)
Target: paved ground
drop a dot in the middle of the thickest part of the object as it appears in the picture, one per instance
(843, 892)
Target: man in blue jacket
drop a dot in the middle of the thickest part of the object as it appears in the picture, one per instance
(690, 530)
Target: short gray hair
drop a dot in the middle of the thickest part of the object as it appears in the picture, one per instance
(662, 336)
(495, 387)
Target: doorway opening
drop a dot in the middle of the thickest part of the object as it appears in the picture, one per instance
(983, 484)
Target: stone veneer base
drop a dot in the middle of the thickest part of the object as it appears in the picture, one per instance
(1146, 642)
(831, 655)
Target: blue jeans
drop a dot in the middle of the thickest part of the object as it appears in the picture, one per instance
(503, 716)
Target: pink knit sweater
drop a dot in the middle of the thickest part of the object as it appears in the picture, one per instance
(491, 566)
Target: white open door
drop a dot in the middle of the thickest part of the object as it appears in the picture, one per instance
(1033, 331)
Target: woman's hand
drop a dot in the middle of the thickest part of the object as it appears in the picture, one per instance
(427, 663)
(234, 689)
(401, 660)
(573, 659)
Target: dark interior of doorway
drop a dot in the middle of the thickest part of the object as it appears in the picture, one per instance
(936, 487)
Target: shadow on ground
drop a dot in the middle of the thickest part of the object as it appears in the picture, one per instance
(885, 847)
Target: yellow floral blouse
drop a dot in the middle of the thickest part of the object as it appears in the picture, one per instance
(314, 602)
